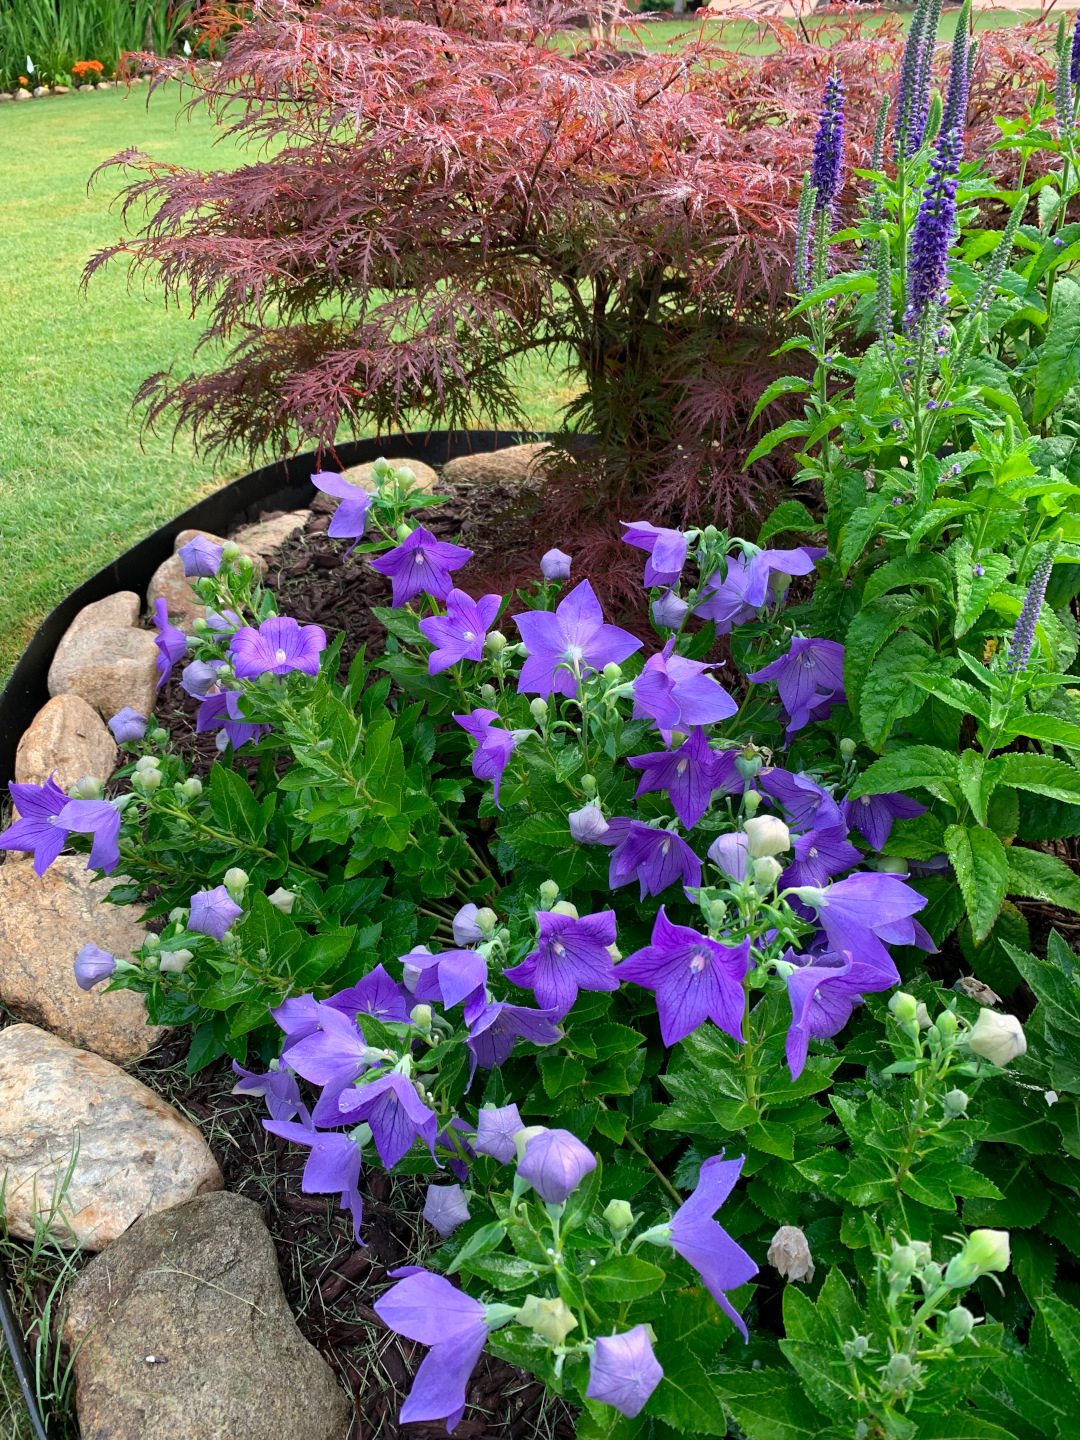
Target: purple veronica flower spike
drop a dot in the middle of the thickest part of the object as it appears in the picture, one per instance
(829, 145)
(666, 550)
(37, 828)
(350, 517)
(333, 1167)
(694, 978)
(376, 994)
(1024, 635)
(200, 557)
(677, 693)
(93, 965)
(127, 725)
(689, 775)
(933, 231)
(428, 1309)
(461, 632)
(819, 855)
(396, 1114)
(224, 709)
(279, 646)
(697, 1237)
(873, 815)
(624, 1371)
(171, 642)
(555, 565)
(572, 956)
(807, 803)
(446, 1208)
(101, 820)
(421, 565)
(555, 1163)
(495, 1131)
(823, 992)
(568, 642)
(495, 1028)
(810, 678)
(494, 746)
(277, 1087)
(655, 858)
(213, 912)
(863, 909)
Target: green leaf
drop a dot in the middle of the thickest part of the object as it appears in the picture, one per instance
(927, 568)
(1040, 774)
(1042, 877)
(626, 1277)
(559, 1073)
(232, 801)
(1053, 989)
(1064, 1324)
(888, 693)
(851, 282)
(1059, 357)
(917, 766)
(486, 1238)
(786, 385)
(871, 628)
(769, 1404)
(505, 1272)
(1043, 727)
(982, 871)
(685, 1398)
(789, 515)
(402, 624)
(769, 442)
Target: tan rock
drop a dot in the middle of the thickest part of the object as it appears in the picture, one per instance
(265, 536)
(133, 1154)
(44, 923)
(22, 94)
(115, 612)
(67, 736)
(198, 1289)
(363, 475)
(109, 666)
(510, 466)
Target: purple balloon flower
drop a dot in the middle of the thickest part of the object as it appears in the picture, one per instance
(655, 858)
(555, 565)
(567, 643)
(277, 1087)
(697, 1237)
(677, 693)
(333, 1167)
(421, 565)
(279, 646)
(810, 678)
(335, 1051)
(666, 550)
(669, 611)
(555, 1163)
(92, 965)
(200, 557)
(99, 819)
(376, 994)
(449, 977)
(745, 588)
(428, 1309)
(695, 979)
(587, 825)
(572, 956)
(494, 745)
(823, 992)
(623, 1371)
(863, 909)
(127, 725)
(807, 803)
(466, 930)
(445, 1208)
(298, 1016)
(494, 1029)
(213, 912)
(37, 828)
(729, 854)
(819, 855)
(873, 815)
(396, 1114)
(171, 643)
(200, 677)
(461, 632)
(689, 775)
(224, 709)
(350, 518)
(496, 1127)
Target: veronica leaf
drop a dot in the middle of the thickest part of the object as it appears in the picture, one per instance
(982, 872)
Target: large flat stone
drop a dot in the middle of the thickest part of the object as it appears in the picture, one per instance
(513, 465)
(197, 1289)
(265, 536)
(69, 737)
(134, 1155)
(364, 475)
(110, 666)
(44, 923)
(119, 610)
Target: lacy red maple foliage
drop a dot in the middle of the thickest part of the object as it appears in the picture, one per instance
(438, 191)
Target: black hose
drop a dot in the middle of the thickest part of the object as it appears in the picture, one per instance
(21, 1361)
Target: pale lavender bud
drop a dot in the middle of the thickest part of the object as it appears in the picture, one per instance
(93, 965)
(587, 825)
(669, 611)
(623, 1371)
(728, 853)
(200, 557)
(555, 1163)
(446, 1208)
(127, 725)
(466, 930)
(555, 565)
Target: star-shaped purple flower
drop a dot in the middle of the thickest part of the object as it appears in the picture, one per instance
(745, 588)
(461, 632)
(333, 1167)
(689, 775)
(376, 994)
(819, 855)
(101, 820)
(810, 678)
(277, 1087)
(697, 1237)
(495, 1027)
(623, 1371)
(695, 979)
(223, 709)
(128, 725)
(494, 745)
(200, 557)
(655, 858)
(298, 1016)
(496, 1127)
(572, 956)
(678, 694)
(171, 643)
(873, 815)
(568, 643)
(350, 518)
(823, 992)
(213, 912)
(666, 550)
(421, 566)
(37, 828)
(863, 909)
(279, 646)
(808, 804)
(449, 977)
(428, 1309)
(396, 1114)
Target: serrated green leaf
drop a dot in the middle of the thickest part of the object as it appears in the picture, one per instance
(1042, 877)
(768, 443)
(786, 385)
(868, 632)
(917, 766)
(1059, 357)
(789, 515)
(1063, 1321)
(625, 1277)
(982, 872)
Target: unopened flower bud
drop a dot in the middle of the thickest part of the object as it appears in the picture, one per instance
(522, 1137)
(403, 531)
(956, 1103)
(930, 1277)
(420, 1015)
(898, 1370)
(283, 900)
(985, 1251)
(192, 788)
(710, 534)
(495, 643)
(406, 475)
(147, 762)
(245, 566)
(382, 469)
(552, 1320)
(618, 1217)
(789, 1253)
(175, 962)
(549, 893)
(747, 763)
(588, 784)
(997, 1038)
(87, 787)
(903, 1262)
(959, 1324)
(565, 907)
(587, 825)
(922, 1017)
(555, 565)
(538, 708)
(848, 747)
(767, 871)
(236, 882)
(751, 803)
(669, 611)
(230, 552)
(147, 781)
(487, 694)
(858, 1348)
(178, 915)
(612, 671)
(486, 921)
(904, 1008)
(766, 835)
(158, 736)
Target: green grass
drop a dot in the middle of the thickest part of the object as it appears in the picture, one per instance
(656, 34)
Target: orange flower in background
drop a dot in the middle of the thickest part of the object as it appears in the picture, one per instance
(23, 80)
(83, 67)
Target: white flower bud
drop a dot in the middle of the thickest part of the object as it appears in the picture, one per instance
(87, 787)
(985, 1251)
(565, 907)
(175, 962)
(789, 1253)
(147, 781)
(766, 835)
(997, 1038)
(420, 1015)
(767, 871)
(283, 900)
(147, 762)
(618, 1217)
(955, 1103)
(538, 708)
(236, 882)
(549, 893)
(552, 1320)
(495, 643)
(192, 788)
(904, 1007)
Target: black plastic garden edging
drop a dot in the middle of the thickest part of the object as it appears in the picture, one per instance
(20, 1361)
(285, 485)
